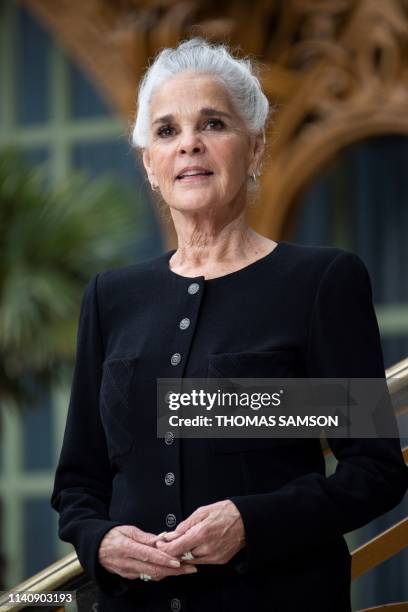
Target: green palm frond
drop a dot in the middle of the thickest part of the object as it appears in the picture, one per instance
(52, 239)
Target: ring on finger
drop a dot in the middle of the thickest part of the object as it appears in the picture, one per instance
(187, 556)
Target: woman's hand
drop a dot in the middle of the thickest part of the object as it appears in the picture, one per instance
(213, 534)
(129, 552)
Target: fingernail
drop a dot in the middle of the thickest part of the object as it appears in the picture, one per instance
(191, 569)
(175, 563)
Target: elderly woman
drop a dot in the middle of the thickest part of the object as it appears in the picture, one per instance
(216, 524)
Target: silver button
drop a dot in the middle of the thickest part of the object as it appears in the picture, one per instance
(169, 437)
(171, 520)
(193, 288)
(169, 478)
(175, 605)
(184, 323)
(175, 359)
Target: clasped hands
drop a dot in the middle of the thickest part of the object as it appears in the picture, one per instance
(213, 534)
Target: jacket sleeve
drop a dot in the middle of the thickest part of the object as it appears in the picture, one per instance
(82, 485)
(371, 476)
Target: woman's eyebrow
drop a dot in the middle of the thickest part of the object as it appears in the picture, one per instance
(205, 112)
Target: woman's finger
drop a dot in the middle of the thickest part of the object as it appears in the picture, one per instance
(172, 535)
(194, 537)
(149, 554)
(132, 568)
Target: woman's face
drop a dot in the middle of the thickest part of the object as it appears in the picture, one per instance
(192, 123)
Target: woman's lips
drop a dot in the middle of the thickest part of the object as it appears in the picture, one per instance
(195, 178)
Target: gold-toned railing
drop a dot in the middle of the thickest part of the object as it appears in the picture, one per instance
(67, 573)
(401, 606)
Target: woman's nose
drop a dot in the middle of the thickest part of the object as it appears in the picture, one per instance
(190, 142)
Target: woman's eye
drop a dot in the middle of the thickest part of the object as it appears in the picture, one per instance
(216, 121)
(161, 131)
(213, 124)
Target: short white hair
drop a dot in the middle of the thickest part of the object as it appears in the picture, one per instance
(239, 76)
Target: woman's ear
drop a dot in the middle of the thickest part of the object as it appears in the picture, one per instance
(147, 165)
(257, 151)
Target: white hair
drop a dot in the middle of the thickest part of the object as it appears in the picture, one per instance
(239, 76)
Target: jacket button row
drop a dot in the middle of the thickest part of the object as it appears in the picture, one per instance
(169, 478)
(175, 359)
(193, 288)
(175, 605)
(170, 520)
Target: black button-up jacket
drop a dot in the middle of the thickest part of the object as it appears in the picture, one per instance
(297, 312)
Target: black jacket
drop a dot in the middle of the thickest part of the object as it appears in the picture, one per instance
(298, 312)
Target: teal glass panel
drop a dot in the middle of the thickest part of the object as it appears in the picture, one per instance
(39, 545)
(85, 100)
(32, 71)
(37, 435)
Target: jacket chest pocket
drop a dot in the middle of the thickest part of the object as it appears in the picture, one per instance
(280, 363)
(116, 407)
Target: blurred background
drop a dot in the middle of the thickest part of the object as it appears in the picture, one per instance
(74, 199)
